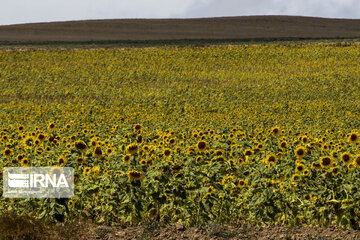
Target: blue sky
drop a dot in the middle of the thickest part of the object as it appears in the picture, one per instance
(25, 11)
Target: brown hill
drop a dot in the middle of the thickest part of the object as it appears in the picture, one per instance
(230, 28)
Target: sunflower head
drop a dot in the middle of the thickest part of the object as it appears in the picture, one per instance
(134, 175)
(7, 152)
(201, 145)
(25, 162)
(296, 177)
(242, 183)
(167, 152)
(305, 139)
(315, 165)
(325, 162)
(306, 172)
(356, 161)
(137, 128)
(80, 146)
(132, 148)
(248, 152)
(108, 151)
(346, 158)
(98, 152)
(70, 203)
(271, 159)
(276, 131)
(283, 144)
(300, 152)
(300, 168)
(335, 171)
(354, 138)
(51, 126)
(86, 171)
(62, 160)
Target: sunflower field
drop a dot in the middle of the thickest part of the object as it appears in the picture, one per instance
(258, 133)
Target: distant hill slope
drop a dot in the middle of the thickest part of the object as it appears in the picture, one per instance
(251, 27)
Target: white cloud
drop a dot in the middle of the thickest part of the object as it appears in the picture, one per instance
(22, 11)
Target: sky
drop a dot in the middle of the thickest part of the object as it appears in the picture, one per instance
(27, 11)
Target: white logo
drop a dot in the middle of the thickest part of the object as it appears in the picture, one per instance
(27, 182)
(36, 180)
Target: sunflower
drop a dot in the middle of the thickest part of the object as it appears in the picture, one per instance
(167, 152)
(354, 138)
(70, 203)
(62, 160)
(276, 131)
(97, 152)
(51, 126)
(305, 139)
(356, 161)
(96, 171)
(21, 128)
(36, 142)
(143, 162)
(68, 126)
(300, 152)
(271, 159)
(80, 146)
(242, 160)
(295, 177)
(172, 141)
(306, 172)
(7, 152)
(325, 147)
(335, 171)
(283, 144)
(134, 175)
(137, 127)
(132, 148)
(346, 158)
(93, 143)
(25, 162)
(39, 150)
(248, 152)
(260, 146)
(242, 183)
(108, 151)
(201, 145)
(199, 159)
(300, 168)
(219, 152)
(126, 158)
(315, 165)
(325, 162)
(41, 137)
(139, 139)
(86, 171)
(28, 142)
